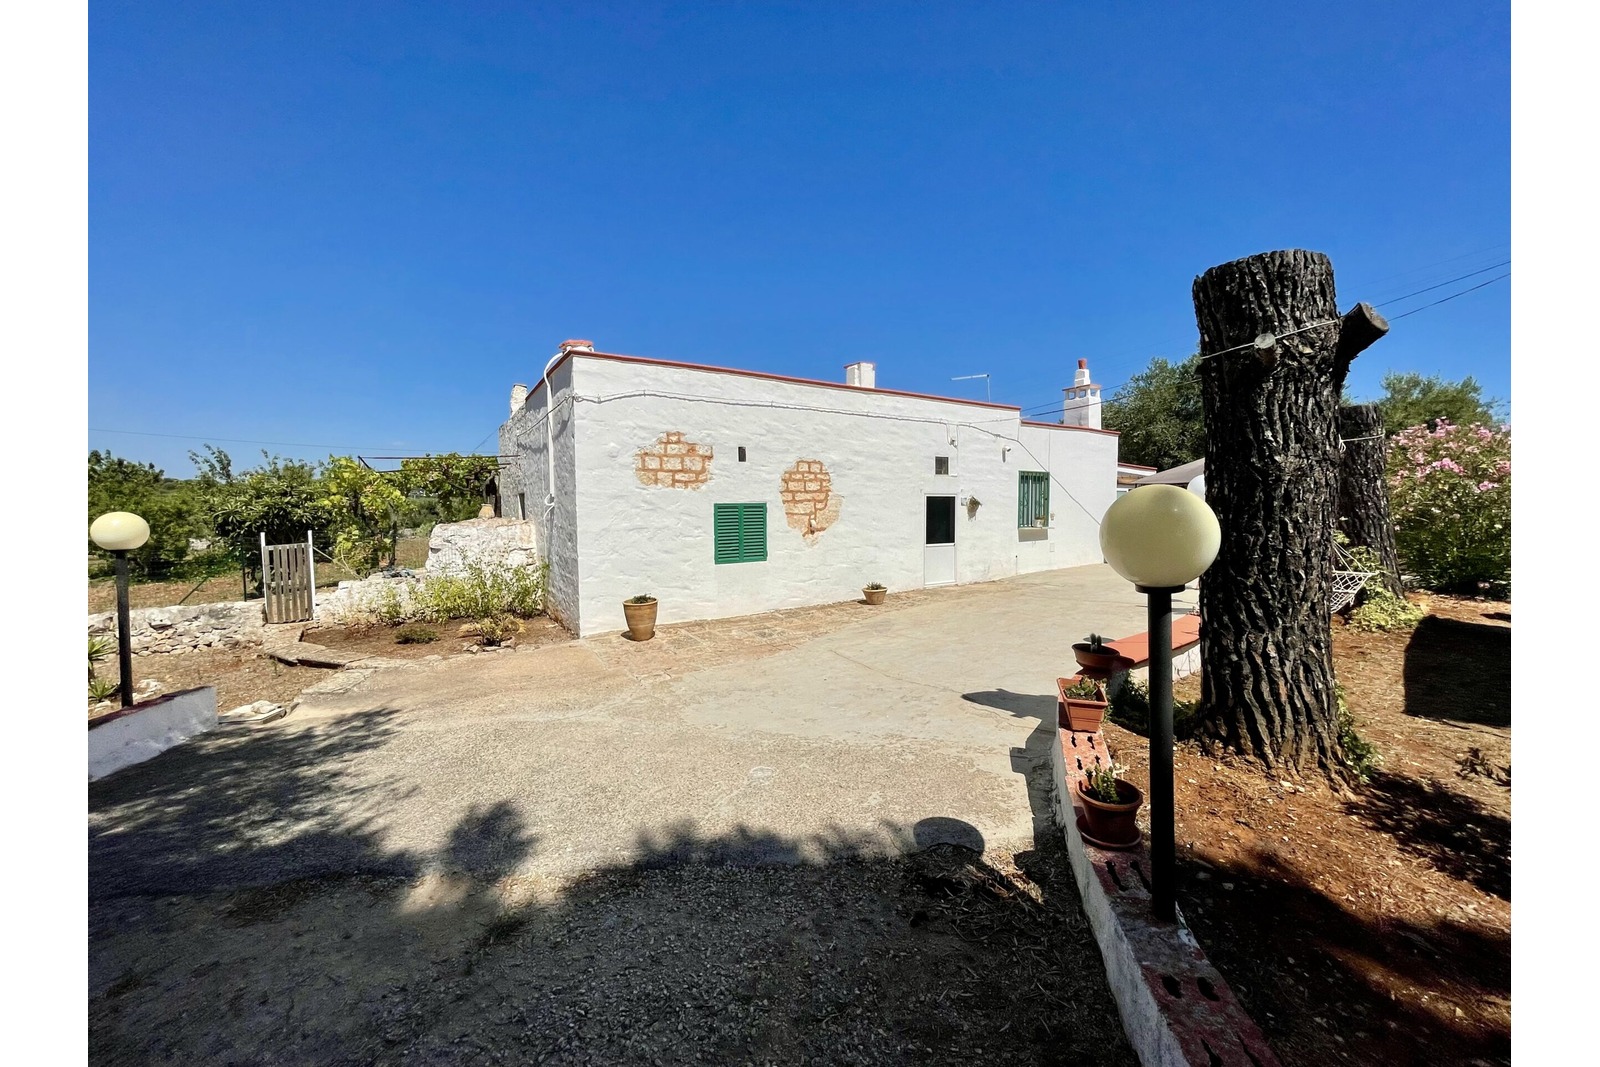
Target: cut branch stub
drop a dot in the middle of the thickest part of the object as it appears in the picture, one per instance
(1358, 331)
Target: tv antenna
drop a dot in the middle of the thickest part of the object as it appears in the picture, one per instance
(970, 377)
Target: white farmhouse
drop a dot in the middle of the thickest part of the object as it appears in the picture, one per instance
(727, 492)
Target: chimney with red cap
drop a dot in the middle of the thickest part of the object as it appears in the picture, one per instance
(1080, 405)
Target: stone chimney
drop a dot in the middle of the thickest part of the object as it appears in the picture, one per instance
(519, 396)
(1080, 405)
(861, 375)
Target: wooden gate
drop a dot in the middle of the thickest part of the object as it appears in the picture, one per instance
(288, 580)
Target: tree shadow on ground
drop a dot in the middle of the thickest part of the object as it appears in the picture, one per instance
(1323, 962)
(1459, 671)
(1452, 831)
(749, 947)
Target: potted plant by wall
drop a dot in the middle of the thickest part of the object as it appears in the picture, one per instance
(1110, 805)
(875, 592)
(1084, 704)
(1094, 655)
(641, 614)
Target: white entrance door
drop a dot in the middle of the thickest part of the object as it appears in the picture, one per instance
(939, 551)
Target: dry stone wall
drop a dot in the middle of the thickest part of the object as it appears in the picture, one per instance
(185, 629)
(490, 542)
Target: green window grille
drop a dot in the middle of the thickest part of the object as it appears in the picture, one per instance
(1033, 498)
(741, 532)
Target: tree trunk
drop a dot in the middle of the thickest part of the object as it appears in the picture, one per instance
(1364, 491)
(1272, 476)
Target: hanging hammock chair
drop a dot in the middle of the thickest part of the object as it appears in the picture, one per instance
(1347, 581)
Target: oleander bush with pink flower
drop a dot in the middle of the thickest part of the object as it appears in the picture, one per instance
(1450, 498)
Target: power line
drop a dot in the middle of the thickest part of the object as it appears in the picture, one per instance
(1452, 296)
(1441, 285)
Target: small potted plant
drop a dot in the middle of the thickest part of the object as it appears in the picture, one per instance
(875, 592)
(641, 614)
(1094, 655)
(1110, 805)
(1083, 704)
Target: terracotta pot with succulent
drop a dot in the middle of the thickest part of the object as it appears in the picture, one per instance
(1094, 654)
(641, 615)
(1083, 704)
(1110, 808)
(875, 592)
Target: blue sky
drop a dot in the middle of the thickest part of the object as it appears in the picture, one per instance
(354, 226)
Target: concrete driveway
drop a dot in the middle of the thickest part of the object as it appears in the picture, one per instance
(779, 737)
(731, 844)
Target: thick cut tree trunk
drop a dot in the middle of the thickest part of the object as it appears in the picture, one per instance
(1364, 491)
(1272, 476)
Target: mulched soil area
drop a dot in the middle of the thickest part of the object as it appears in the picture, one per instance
(379, 639)
(1369, 925)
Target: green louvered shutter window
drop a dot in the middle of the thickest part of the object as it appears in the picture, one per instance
(1033, 498)
(740, 532)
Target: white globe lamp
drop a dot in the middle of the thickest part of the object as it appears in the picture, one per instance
(120, 532)
(1161, 538)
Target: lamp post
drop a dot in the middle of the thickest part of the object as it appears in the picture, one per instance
(120, 532)
(1160, 538)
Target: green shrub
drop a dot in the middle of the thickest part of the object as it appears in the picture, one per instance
(1360, 755)
(103, 688)
(415, 634)
(1377, 608)
(481, 591)
(498, 629)
(1450, 496)
(1130, 709)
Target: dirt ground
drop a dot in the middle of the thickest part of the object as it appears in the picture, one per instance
(1371, 926)
(945, 957)
(241, 675)
(379, 639)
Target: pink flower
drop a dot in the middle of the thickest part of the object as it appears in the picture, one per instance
(1484, 487)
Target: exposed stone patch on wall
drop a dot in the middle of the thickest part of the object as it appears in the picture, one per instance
(673, 463)
(184, 629)
(491, 542)
(809, 503)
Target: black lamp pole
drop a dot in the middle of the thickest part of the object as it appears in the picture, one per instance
(1163, 851)
(124, 636)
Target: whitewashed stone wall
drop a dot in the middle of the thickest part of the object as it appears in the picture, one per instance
(525, 485)
(186, 628)
(490, 542)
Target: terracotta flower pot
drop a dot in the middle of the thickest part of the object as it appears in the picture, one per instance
(1111, 825)
(641, 619)
(1104, 660)
(1084, 713)
(875, 596)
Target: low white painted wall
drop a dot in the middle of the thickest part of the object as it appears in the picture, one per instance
(133, 735)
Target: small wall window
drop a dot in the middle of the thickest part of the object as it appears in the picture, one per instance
(941, 464)
(741, 453)
(522, 505)
(1033, 499)
(740, 532)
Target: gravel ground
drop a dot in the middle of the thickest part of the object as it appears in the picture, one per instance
(944, 957)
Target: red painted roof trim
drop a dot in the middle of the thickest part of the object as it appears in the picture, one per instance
(773, 378)
(1063, 426)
